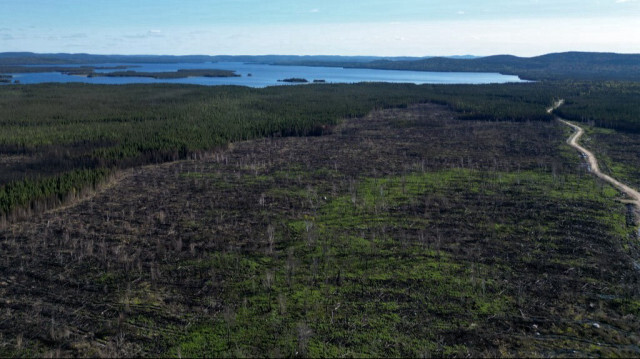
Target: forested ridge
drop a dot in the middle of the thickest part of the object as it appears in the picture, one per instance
(30, 58)
(557, 66)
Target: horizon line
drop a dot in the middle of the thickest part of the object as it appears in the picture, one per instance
(313, 55)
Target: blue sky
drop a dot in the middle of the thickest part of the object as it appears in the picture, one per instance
(344, 27)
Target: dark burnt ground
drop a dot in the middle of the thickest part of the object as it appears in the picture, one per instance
(405, 233)
(618, 153)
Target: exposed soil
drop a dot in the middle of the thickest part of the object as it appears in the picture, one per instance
(593, 164)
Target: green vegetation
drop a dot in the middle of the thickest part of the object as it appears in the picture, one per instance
(361, 276)
(617, 152)
(294, 80)
(382, 220)
(610, 114)
(405, 232)
(21, 193)
(55, 128)
(60, 128)
(603, 104)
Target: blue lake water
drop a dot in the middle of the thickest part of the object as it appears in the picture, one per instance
(268, 75)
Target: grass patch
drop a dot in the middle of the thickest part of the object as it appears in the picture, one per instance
(365, 275)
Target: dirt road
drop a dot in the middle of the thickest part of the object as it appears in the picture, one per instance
(633, 195)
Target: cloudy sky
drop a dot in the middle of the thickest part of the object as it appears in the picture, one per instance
(330, 27)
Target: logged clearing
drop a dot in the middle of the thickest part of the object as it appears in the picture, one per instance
(407, 232)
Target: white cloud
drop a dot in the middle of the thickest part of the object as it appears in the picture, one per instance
(525, 37)
(147, 35)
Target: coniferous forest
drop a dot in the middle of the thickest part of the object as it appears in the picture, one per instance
(318, 220)
(73, 130)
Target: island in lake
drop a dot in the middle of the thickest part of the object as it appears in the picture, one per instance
(180, 74)
(90, 71)
(295, 80)
(80, 70)
(301, 80)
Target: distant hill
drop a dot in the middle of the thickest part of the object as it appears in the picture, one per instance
(30, 58)
(557, 66)
(566, 65)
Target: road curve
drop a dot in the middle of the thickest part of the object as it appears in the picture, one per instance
(633, 195)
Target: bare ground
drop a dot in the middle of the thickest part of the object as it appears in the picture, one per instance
(114, 275)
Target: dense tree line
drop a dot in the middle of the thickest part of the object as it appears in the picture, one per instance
(48, 192)
(92, 128)
(613, 105)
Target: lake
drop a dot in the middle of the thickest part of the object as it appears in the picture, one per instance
(261, 75)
